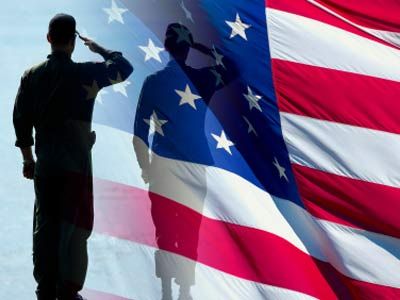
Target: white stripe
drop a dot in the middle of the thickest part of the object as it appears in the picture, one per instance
(246, 204)
(228, 197)
(114, 157)
(350, 151)
(303, 40)
(363, 254)
(127, 269)
(387, 36)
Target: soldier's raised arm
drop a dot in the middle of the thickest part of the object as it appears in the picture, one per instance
(224, 70)
(114, 69)
(218, 75)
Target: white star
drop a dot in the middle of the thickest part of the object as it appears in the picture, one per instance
(223, 142)
(281, 169)
(115, 13)
(151, 51)
(100, 95)
(91, 90)
(119, 86)
(251, 127)
(187, 12)
(218, 77)
(253, 99)
(155, 124)
(238, 27)
(218, 57)
(187, 97)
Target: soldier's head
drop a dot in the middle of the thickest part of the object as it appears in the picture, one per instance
(62, 33)
(178, 40)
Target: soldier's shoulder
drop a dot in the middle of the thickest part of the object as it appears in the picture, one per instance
(151, 77)
(150, 80)
(157, 76)
(35, 69)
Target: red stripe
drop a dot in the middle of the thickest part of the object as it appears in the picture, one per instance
(337, 96)
(308, 10)
(368, 291)
(244, 252)
(381, 15)
(248, 253)
(350, 202)
(97, 295)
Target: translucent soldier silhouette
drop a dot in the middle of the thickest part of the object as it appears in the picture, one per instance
(57, 99)
(171, 99)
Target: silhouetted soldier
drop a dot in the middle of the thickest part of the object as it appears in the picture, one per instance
(169, 101)
(57, 99)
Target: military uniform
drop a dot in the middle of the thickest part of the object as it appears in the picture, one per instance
(56, 98)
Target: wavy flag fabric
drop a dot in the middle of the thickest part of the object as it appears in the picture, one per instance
(282, 183)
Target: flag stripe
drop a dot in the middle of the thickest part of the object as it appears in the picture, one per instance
(298, 39)
(306, 9)
(237, 256)
(373, 14)
(128, 269)
(350, 202)
(253, 202)
(323, 68)
(253, 208)
(369, 291)
(390, 37)
(336, 251)
(326, 94)
(252, 244)
(324, 145)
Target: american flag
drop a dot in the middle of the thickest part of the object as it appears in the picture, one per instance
(300, 199)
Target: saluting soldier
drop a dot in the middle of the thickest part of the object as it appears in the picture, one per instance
(56, 98)
(175, 128)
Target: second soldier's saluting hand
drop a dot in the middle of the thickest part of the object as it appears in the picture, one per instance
(93, 46)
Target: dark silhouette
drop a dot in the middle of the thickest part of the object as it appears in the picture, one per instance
(57, 99)
(169, 100)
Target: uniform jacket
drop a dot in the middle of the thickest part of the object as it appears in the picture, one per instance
(56, 98)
